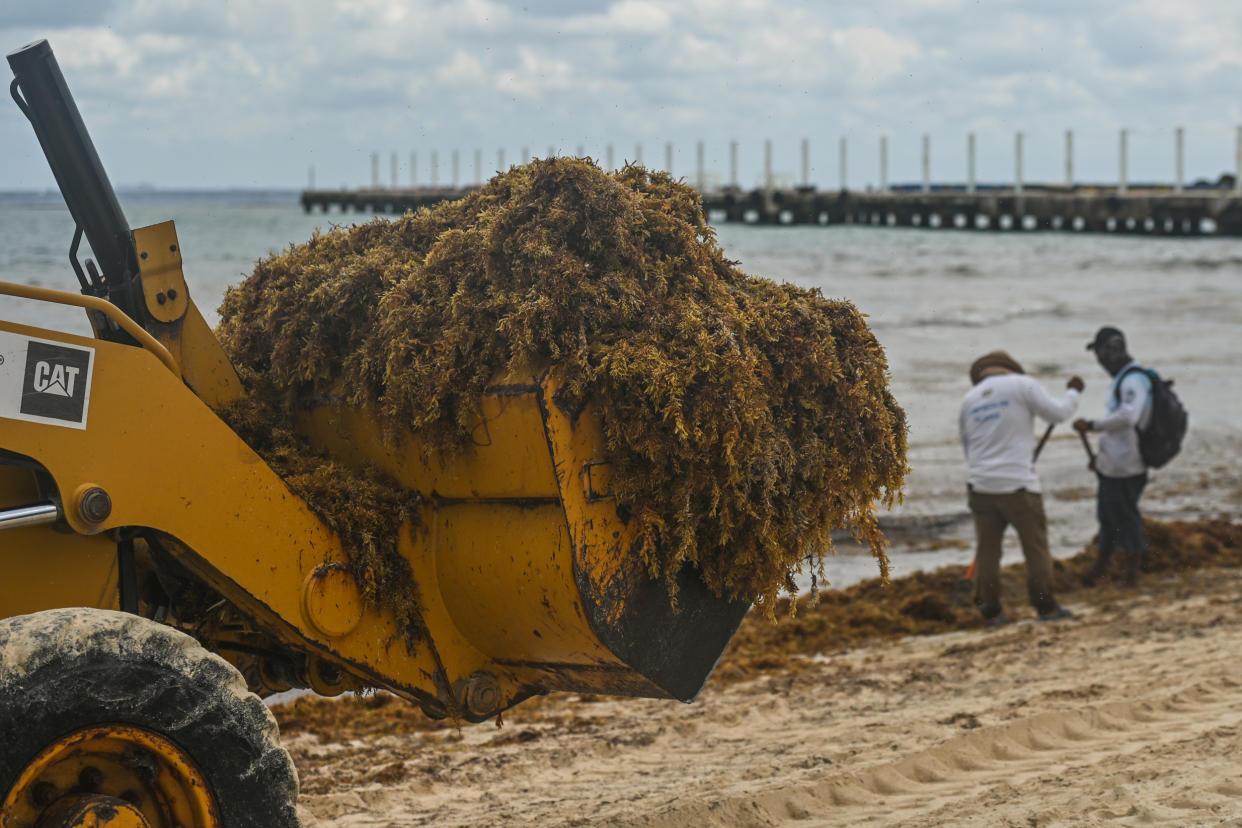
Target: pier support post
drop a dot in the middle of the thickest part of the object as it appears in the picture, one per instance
(1237, 163)
(842, 172)
(733, 164)
(970, 162)
(1069, 159)
(1180, 141)
(699, 175)
(884, 163)
(926, 163)
(767, 166)
(668, 157)
(1017, 162)
(1121, 178)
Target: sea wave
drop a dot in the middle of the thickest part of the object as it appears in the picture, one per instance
(960, 318)
(1162, 265)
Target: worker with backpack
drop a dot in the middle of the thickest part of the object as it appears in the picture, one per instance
(1142, 428)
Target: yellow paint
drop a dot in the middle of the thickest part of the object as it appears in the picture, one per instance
(45, 569)
(601, 540)
(508, 457)
(159, 265)
(178, 324)
(179, 787)
(332, 603)
(94, 303)
(225, 513)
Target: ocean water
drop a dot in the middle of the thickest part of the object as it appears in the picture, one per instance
(936, 299)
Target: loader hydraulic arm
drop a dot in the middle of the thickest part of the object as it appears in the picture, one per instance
(40, 90)
(141, 269)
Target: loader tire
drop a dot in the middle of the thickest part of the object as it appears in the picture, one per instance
(88, 680)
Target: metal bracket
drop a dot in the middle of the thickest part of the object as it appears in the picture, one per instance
(159, 266)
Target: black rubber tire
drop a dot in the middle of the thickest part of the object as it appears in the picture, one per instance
(66, 669)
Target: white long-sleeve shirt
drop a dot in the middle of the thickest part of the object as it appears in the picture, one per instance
(1119, 450)
(996, 424)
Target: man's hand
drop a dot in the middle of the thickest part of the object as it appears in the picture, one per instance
(1082, 426)
(1076, 383)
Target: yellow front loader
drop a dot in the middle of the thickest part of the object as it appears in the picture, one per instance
(159, 577)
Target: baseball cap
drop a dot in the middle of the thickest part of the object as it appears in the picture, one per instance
(1103, 335)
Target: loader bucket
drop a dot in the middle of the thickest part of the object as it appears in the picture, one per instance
(525, 558)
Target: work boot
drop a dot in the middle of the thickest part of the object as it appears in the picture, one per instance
(998, 620)
(1056, 614)
(1098, 572)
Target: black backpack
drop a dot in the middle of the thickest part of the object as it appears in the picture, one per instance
(1161, 440)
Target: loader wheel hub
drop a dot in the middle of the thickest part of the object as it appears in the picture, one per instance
(92, 811)
(111, 775)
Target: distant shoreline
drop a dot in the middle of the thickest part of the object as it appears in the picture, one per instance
(234, 195)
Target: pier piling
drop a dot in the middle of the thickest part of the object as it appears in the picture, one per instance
(883, 163)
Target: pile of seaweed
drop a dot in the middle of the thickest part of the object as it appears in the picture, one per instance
(745, 419)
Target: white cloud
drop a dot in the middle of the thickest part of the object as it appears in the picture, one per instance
(535, 74)
(622, 18)
(874, 55)
(638, 16)
(463, 69)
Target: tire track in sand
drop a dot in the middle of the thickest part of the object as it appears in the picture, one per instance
(1049, 760)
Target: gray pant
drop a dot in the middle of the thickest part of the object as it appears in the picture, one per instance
(993, 513)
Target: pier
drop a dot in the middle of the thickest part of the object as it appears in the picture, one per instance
(1201, 208)
(1083, 209)
(1154, 210)
(393, 200)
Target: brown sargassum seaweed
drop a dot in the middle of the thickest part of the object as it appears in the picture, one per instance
(745, 419)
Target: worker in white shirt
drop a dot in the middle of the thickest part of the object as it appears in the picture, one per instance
(996, 425)
(1119, 464)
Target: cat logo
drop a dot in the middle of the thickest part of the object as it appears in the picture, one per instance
(56, 383)
(50, 378)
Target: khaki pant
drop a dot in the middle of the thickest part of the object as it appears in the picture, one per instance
(1025, 512)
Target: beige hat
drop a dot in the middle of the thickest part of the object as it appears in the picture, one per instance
(995, 359)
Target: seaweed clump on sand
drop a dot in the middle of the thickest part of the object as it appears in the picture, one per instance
(930, 603)
(744, 419)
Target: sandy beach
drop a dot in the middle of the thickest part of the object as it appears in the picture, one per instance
(1130, 713)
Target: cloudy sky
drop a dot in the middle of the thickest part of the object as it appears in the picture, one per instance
(218, 93)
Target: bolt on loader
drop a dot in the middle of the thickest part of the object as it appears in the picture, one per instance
(160, 578)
